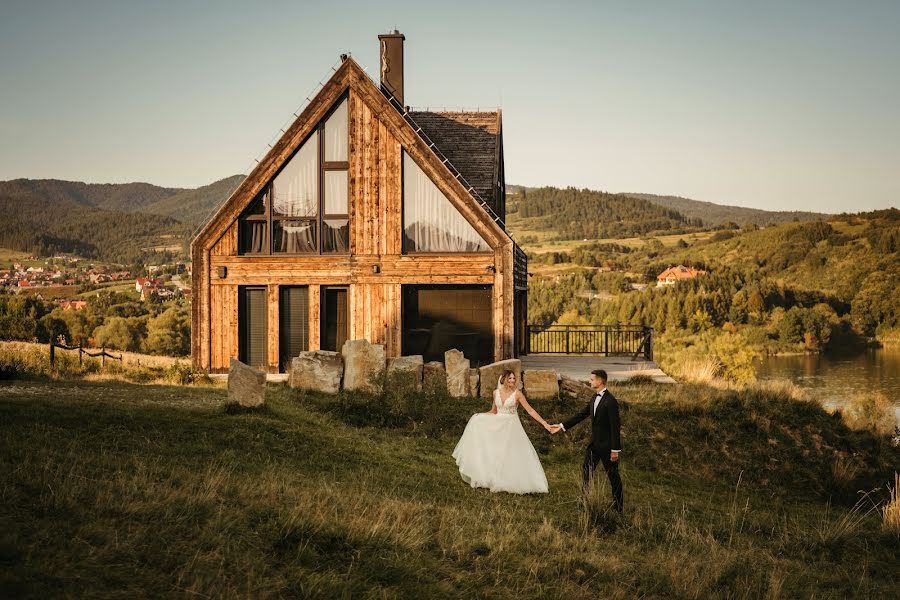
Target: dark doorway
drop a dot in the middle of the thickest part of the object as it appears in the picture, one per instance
(293, 326)
(252, 326)
(437, 318)
(334, 318)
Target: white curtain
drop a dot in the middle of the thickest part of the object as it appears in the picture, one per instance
(336, 135)
(296, 188)
(431, 223)
(295, 237)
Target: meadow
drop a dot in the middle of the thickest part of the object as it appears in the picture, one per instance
(116, 489)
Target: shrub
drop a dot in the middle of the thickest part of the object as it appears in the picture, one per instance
(871, 411)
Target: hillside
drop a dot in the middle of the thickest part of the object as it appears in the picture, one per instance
(570, 213)
(196, 206)
(155, 491)
(719, 214)
(116, 222)
(121, 197)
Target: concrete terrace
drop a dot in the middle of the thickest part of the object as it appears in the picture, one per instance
(619, 368)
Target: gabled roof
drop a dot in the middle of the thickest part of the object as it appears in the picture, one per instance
(680, 272)
(470, 141)
(351, 75)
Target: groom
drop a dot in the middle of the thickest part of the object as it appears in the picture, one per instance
(605, 444)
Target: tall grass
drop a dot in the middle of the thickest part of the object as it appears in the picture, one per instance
(160, 491)
(23, 359)
(890, 513)
(871, 410)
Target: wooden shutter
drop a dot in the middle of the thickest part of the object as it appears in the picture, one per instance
(294, 323)
(252, 326)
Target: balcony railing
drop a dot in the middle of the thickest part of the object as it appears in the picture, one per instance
(605, 340)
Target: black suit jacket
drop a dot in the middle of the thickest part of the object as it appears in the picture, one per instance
(605, 424)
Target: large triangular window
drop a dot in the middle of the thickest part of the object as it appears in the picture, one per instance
(430, 222)
(305, 206)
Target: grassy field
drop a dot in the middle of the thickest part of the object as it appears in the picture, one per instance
(545, 244)
(112, 489)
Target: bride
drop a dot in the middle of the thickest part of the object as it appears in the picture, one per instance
(494, 452)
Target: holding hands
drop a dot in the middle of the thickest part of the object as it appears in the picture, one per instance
(552, 428)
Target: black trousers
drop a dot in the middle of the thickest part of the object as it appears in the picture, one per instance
(591, 458)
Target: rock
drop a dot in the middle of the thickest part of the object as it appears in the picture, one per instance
(319, 370)
(541, 383)
(491, 373)
(575, 389)
(407, 369)
(364, 365)
(246, 385)
(434, 374)
(473, 382)
(457, 373)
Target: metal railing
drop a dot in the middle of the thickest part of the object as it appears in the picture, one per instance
(604, 340)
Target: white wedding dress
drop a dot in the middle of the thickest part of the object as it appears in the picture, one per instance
(494, 452)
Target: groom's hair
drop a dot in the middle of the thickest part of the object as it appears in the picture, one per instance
(600, 373)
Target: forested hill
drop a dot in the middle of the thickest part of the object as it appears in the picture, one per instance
(195, 206)
(571, 213)
(719, 214)
(121, 223)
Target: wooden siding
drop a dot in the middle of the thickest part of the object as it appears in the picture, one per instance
(315, 309)
(227, 244)
(224, 325)
(378, 136)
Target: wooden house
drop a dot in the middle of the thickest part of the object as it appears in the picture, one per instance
(365, 220)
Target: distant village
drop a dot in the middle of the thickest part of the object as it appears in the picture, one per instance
(55, 274)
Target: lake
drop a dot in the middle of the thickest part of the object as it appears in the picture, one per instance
(833, 379)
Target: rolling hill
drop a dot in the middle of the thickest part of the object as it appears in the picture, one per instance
(117, 222)
(719, 214)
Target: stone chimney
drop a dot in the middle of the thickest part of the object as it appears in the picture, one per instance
(392, 64)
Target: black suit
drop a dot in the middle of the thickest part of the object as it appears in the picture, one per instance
(605, 437)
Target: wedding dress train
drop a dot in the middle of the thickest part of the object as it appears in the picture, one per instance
(494, 452)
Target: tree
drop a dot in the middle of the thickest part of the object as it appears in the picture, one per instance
(170, 332)
(121, 333)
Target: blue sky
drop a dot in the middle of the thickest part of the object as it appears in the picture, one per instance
(777, 105)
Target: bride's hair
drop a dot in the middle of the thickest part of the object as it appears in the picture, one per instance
(505, 375)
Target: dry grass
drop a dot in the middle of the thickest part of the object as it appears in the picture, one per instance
(128, 358)
(167, 493)
(872, 411)
(700, 370)
(890, 513)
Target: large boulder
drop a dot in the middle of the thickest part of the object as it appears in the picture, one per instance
(407, 368)
(541, 383)
(473, 382)
(246, 385)
(491, 373)
(434, 374)
(575, 389)
(364, 365)
(318, 370)
(457, 367)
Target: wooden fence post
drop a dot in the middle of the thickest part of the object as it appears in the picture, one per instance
(80, 350)
(52, 355)
(103, 357)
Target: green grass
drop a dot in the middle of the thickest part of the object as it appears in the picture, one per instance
(113, 489)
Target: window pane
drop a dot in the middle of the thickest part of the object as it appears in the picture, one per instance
(294, 236)
(296, 188)
(336, 235)
(438, 318)
(258, 206)
(431, 223)
(336, 134)
(251, 237)
(336, 192)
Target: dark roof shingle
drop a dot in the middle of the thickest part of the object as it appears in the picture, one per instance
(469, 140)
